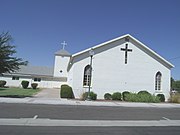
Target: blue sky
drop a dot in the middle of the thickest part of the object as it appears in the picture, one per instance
(39, 26)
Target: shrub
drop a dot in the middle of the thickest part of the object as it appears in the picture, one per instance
(124, 95)
(93, 96)
(34, 85)
(2, 83)
(84, 96)
(66, 92)
(161, 97)
(25, 84)
(143, 92)
(133, 97)
(107, 96)
(175, 98)
(116, 96)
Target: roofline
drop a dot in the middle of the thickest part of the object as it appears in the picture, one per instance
(100, 45)
(153, 52)
(121, 37)
(62, 54)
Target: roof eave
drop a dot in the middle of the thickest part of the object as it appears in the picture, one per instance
(153, 52)
(121, 37)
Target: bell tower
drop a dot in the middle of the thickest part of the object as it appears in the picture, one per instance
(62, 58)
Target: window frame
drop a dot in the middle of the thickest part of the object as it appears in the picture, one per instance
(86, 77)
(158, 81)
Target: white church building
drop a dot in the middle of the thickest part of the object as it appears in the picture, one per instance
(121, 64)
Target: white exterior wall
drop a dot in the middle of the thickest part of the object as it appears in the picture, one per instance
(61, 63)
(14, 83)
(111, 74)
(41, 84)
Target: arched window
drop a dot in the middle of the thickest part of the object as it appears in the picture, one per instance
(87, 75)
(158, 81)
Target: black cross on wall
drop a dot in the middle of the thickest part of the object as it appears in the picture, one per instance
(126, 51)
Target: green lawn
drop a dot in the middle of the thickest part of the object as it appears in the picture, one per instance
(17, 92)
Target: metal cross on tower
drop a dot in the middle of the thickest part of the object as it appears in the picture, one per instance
(64, 44)
(126, 51)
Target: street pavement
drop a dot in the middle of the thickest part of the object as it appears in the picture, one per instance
(74, 112)
(49, 114)
(58, 119)
(35, 130)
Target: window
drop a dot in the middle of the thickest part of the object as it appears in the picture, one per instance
(158, 81)
(87, 75)
(15, 78)
(37, 79)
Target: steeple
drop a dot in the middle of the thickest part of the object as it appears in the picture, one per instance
(63, 52)
(62, 58)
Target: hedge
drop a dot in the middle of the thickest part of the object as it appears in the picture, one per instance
(107, 96)
(92, 95)
(2, 83)
(143, 92)
(116, 96)
(25, 84)
(133, 97)
(161, 97)
(66, 91)
(34, 85)
(124, 95)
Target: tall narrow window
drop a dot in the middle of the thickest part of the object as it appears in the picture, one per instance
(87, 75)
(158, 81)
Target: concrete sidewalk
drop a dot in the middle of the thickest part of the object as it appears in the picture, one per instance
(59, 101)
(48, 93)
(89, 123)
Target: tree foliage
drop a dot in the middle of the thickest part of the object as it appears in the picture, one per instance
(175, 85)
(8, 62)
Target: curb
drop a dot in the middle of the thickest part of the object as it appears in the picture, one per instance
(57, 101)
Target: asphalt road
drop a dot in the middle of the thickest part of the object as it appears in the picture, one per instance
(22, 130)
(87, 112)
(63, 112)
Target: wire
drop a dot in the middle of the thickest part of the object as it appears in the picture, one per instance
(175, 58)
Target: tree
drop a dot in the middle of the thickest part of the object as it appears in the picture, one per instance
(8, 62)
(172, 83)
(175, 84)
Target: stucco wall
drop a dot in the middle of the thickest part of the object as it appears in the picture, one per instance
(61, 63)
(41, 84)
(111, 74)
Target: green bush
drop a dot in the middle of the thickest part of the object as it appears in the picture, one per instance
(25, 84)
(161, 97)
(107, 96)
(34, 85)
(143, 92)
(124, 95)
(116, 96)
(66, 92)
(93, 96)
(133, 97)
(2, 83)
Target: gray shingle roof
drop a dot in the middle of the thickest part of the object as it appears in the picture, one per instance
(62, 52)
(35, 70)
